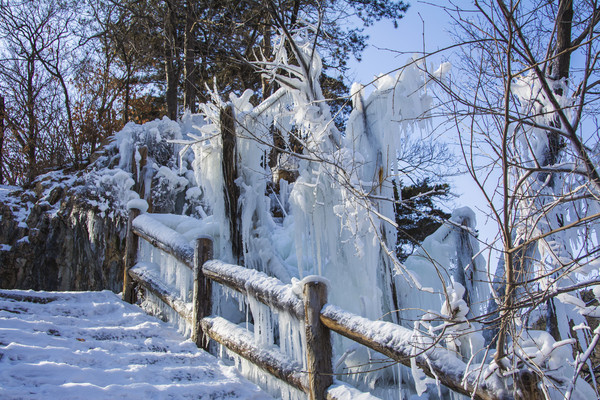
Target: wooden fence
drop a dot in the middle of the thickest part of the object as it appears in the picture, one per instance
(319, 317)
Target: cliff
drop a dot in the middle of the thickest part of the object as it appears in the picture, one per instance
(67, 232)
(58, 240)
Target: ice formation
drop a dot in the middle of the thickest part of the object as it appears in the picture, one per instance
(336, 218)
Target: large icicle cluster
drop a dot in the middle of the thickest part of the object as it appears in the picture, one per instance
(336, 218)
(119, 174)
(338, 209)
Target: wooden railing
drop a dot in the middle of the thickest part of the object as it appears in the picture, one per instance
(319, 318)
(165, 239)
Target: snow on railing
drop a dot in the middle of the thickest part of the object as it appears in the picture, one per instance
(319, 318)
(164, 238)
(241, 341)
(250, 282)
(398, 343)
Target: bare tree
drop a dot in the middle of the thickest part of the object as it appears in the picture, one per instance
(524, 102)
(28, 32)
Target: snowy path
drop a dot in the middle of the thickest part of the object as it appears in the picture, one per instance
(90, 345)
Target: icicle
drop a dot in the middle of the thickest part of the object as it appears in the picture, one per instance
(266, 381)
(153, 305)
(292, 337)
(263, 323)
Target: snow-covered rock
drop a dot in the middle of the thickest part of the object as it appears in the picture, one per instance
(75, 224)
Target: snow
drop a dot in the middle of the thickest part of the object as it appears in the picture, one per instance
(554, 357)
(396, 338)
(5, 190)
(579, 305)
(171, 238)
(24, 239)
(258, 284)
(173, 181)
(8, 196)
(443, 70)
(91, 345)
(341, 390)
(298, 284)
(138, 204)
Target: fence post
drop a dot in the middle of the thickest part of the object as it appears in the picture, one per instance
(131, 249)
(318, 341)
(230, 174)
(202, 296)
(139, 186)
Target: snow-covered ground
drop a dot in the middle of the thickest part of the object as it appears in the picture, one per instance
(91, 345)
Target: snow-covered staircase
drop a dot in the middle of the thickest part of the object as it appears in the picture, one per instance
(91, 345)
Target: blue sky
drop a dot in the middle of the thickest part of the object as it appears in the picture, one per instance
(389, 48)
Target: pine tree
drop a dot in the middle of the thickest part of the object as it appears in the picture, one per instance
(417, 215)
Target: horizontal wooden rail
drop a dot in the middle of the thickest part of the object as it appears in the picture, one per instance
(161, 236)
(266, 289)
(398, 343)
(143, 275)
(241, 341)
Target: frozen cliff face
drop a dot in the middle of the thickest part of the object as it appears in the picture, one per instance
(67, 232)
(58, 240)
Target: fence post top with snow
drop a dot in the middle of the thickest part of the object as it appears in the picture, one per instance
(138, 204)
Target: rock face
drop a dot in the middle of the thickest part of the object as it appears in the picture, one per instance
(68, 231)
(60, 242)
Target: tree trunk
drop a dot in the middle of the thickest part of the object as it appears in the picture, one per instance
(31, 136)
(560, 70)
(76, 147)
(2, 117)
(127, 88)
(564, 19)
(190, 69)
(171, 95)
(230, 174)
(267, 87)
(170, 48)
